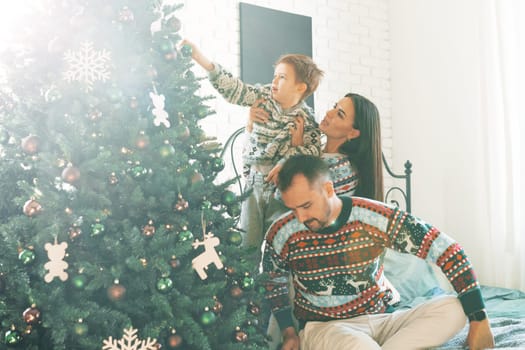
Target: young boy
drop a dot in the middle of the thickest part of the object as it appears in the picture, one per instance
(295, 78)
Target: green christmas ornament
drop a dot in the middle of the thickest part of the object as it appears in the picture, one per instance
(12, 337)
(166, 45)
(186, 51)
(138, 171)
(228, 197)
(26, 256)
(79, 281)
(185, 235)
(247, 282)
(80, 328)
(235, 237)
(234, 210)
(206, 205)
(164, 284)
(97, 228)
(166, 150)
(208, 317)
(217, 164)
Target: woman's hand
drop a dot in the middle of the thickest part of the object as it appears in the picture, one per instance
(257, 115)
(297, 131)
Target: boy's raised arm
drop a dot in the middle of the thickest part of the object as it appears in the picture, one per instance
(197, 55)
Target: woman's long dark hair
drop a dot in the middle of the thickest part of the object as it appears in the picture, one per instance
(364, 152)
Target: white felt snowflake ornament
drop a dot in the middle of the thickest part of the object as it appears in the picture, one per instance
(87, 65)
(130, 341)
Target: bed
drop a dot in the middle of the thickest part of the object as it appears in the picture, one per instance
(418, 281)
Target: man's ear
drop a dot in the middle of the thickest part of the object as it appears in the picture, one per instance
(329, 188)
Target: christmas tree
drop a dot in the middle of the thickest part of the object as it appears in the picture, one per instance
(114, 233)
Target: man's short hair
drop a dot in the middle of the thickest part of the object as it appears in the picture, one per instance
(311, 167)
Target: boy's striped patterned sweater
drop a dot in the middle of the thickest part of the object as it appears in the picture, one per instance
(338, 272)
(270, 142)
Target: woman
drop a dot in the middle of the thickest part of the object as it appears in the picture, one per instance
(353, 145)
(353, 151)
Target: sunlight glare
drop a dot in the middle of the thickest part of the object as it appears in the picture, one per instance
(12, 12)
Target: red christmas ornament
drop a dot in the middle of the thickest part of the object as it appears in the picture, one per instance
(32, 207)
(74, 232)
(174, 262)
(236, 292)
(31, 315)
(70, 174)
(217, 307)
(197, 177)
(30, 144)
(181, 204)
(240, 336)
(116, 291)
(174, 341)
(148, 230)
(142, 141)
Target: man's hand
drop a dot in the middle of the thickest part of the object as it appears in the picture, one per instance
(290, 339)
(480, 335)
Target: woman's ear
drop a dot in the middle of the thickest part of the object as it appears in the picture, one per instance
(353, 134)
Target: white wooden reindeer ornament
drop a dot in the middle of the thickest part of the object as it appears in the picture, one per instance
(209, 256)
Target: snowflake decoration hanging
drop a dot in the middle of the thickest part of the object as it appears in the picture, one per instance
(130, 341)
(87, 65)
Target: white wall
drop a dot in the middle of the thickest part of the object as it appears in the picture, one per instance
(436, 119)
(418, 61)
(350, 43)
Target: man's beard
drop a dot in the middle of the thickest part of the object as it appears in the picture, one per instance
(318, 225)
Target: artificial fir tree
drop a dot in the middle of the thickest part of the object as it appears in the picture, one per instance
(111, 224)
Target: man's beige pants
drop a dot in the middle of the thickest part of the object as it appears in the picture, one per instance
(427, 325)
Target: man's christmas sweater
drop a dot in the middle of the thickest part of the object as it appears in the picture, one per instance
(338, 272)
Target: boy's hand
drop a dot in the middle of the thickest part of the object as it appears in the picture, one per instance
(297, 131)
(272, 175)
(258, 114)
(197, 55)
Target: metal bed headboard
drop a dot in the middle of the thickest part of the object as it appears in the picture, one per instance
(389, 194)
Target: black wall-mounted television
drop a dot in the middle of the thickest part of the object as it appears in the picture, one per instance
(267, 34)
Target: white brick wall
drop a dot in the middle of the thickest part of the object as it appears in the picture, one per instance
(350, 43)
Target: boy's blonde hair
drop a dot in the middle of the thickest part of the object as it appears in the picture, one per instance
(306, 71)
